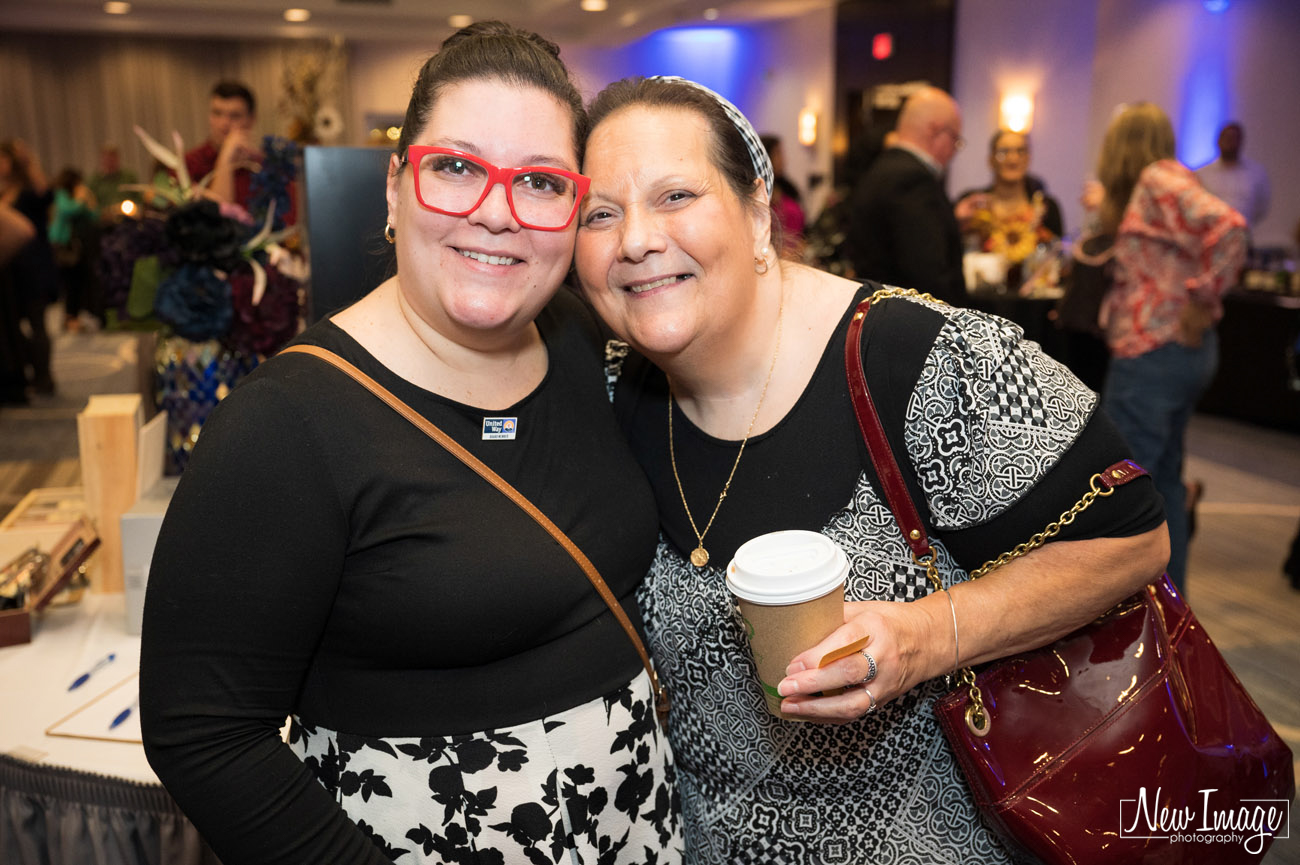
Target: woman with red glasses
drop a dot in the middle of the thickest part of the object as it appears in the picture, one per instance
(458, 690)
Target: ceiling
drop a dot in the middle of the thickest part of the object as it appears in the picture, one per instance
(398, 20)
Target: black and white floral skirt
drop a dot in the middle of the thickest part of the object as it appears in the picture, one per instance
(594, 784)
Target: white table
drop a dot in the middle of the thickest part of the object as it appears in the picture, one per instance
(81, 800)
(34, 679)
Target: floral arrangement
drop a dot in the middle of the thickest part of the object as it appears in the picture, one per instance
(311, 85)
(223, 283)
(1013, 234)
(209, 270)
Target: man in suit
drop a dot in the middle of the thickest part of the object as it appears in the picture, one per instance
(902, 230)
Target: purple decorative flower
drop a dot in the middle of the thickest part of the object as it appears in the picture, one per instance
(261, 330)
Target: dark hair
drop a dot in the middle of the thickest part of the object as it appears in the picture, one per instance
(493, 49)
(727, 148)
(235, 90)
(993, 142)
(780, 183)
(68, 179)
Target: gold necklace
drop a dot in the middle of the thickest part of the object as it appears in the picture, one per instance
(700, 556)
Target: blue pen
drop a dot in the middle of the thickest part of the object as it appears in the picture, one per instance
(85, 677)
(124, 714)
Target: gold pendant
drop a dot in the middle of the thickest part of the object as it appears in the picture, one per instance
(700, 556)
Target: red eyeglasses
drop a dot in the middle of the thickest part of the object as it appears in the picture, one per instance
(455, 183)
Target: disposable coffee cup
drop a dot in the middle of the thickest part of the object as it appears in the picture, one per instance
(790, 589)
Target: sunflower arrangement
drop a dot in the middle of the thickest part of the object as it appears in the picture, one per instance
(1013, 233)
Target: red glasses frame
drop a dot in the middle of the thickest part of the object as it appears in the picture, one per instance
(495, 174)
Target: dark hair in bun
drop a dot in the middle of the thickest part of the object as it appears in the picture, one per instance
(493, 49)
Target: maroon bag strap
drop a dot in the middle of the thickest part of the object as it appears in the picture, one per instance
(894, 487)
(873, 433)
(455, 449)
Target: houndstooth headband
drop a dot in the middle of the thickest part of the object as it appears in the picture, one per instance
(757, 152)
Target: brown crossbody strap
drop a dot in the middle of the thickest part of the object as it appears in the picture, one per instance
(456, 450)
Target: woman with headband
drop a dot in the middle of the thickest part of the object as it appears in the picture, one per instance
(737, 407)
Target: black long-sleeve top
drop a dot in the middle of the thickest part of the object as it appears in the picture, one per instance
(322, 557)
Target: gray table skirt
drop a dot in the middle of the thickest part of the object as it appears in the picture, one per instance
(55, 816)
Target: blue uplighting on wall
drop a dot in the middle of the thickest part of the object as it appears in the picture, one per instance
(1215, 6)
(713, 56)
(1206, 98)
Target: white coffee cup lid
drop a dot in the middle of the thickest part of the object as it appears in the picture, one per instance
(786, 568)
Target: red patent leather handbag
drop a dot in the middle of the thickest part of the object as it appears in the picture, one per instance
(1129, 740)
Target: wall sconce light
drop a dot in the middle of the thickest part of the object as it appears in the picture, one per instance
(1016, 112)
(807, 127)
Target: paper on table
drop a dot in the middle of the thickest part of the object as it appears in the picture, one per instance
(94, 720)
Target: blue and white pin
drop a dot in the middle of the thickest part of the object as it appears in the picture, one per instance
(499, 428)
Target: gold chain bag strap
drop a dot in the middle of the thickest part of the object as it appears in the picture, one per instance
(504, 486)
(1071, 750)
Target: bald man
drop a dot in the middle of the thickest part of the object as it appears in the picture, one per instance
(902, 230)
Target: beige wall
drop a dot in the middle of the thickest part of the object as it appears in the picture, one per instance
(1149, 49)
(381, 79)
(1025, 45)
(798, 56)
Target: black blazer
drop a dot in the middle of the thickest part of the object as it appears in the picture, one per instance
(902, 230)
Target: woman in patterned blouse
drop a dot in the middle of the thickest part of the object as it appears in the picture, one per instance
(743, 354)
(1177, 250)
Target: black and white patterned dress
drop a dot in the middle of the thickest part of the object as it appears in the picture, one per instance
(464, 695)
(987, 418)
(536, 792)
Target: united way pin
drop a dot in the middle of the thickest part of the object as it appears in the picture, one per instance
(499, 428)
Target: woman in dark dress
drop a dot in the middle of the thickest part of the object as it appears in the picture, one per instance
(459, 691)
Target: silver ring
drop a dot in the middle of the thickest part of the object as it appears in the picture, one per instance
(872, 698)
(871, 668)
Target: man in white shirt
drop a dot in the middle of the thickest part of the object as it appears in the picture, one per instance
(1238, 181)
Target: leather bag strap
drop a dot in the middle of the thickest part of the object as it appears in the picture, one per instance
(894, 489)
(504, 486)
(900, 503)
(873, 433)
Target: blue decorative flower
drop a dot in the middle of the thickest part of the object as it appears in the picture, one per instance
(270, 184)
(195, 300)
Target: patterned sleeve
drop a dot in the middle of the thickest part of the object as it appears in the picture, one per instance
(1171, 206)
(990, 415)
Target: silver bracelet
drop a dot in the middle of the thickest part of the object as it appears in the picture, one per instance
(956, 644)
